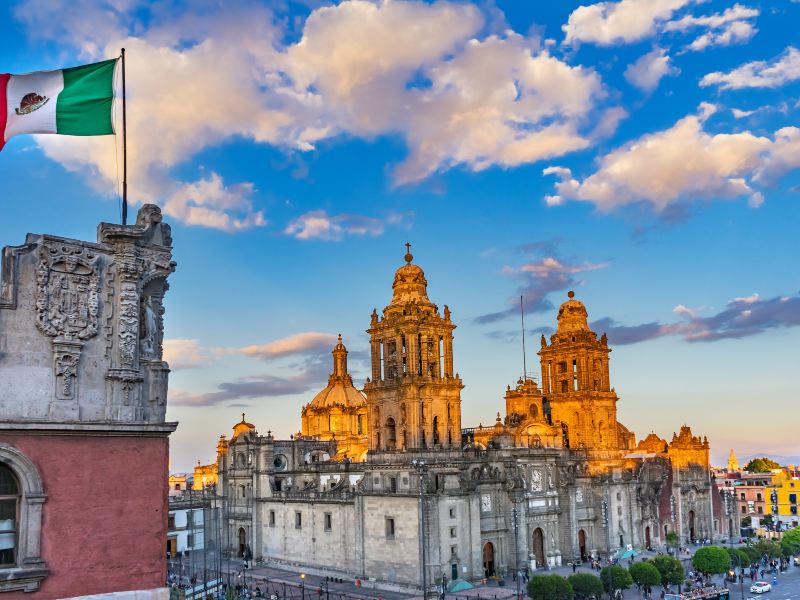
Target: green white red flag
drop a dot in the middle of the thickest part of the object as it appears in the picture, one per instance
(74, 101)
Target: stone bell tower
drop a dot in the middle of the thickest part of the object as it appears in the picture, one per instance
(575, 381)
(413, 396)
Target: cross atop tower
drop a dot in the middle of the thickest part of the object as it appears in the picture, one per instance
(242, 417)
(409, 257)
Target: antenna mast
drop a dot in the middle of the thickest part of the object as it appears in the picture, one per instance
(524, 360)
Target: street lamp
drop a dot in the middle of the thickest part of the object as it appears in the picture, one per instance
(421, 468)
(302, 586)
(741, 573)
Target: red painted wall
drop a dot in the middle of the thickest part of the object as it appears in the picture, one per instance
(104, 523)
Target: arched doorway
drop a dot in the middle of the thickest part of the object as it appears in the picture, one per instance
(391, 434)
(582, 545)
(538, 546)
(488, 559)
(242, 541)
(691, 526)
(647, 544)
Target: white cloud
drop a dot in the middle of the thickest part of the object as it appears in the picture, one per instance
(361, 68)
(184, 354)
(733, 26)
(550, 265)
(607, 23)
(294, 344)
(319, 225)
(647, 71)
(758, 74)
(683, 162)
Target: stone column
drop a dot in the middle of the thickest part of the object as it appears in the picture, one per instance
(375, 347)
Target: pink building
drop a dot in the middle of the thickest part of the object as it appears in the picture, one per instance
(83, 388)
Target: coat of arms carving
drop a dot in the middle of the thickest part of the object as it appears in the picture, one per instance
(67, 298)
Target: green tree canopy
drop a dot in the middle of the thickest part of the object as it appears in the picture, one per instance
(586, 585)
(615, 577)
(670, 569)
(738, 557)
(790, 544)
(768, 547)
(712, 560)
(752, 553)
(643, 573)
(550, 587)
(672, 539)
(761, 465)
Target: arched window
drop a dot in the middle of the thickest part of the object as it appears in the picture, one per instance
(9, 499)
(21, 500)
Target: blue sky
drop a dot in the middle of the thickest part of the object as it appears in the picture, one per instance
(642, 153)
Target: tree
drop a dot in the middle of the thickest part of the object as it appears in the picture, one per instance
(586, 585)
(790, 544)
(672, 539)
(711, 560)
(670, 569)
(550, 587)
(761, 465)
(644, 574)
(768, 547)
(747, 521)
(738, 557)
(752, 554)
(615, 577)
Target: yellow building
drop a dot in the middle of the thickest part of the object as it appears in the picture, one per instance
(204, 475)
(339, 412)
(788, 491)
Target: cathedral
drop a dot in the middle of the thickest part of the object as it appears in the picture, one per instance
(385, 482)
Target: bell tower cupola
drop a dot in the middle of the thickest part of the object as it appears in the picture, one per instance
(413, 396)
(575, 380)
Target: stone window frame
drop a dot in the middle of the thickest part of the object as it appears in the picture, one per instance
(30, 569)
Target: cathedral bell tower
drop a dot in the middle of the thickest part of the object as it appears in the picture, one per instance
(575, 381)
(413, 396)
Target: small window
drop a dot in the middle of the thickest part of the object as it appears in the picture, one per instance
(744, 510)
(178, 486)
(619, 510)
(453, 532)
(758, 497)
(453, 550)
(272, 518)
(328, 521)
(171, 522)
(743, 496)
(389, 528)
(190, 540)
(792, 498)
(298, 520)
(619, 496)
(392, 484)
(760, 510)
(9, 495)
(452, 513)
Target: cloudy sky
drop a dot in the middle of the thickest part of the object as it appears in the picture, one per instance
(644, 153)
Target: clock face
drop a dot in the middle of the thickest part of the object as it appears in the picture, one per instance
(486, 503)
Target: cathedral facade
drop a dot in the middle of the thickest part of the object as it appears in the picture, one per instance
(378, 484)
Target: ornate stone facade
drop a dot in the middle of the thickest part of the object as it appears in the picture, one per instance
(559, 468)
(83, 387)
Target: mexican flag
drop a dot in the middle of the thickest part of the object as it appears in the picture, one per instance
(75, 101)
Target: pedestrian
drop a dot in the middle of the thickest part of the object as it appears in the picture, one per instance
(573, 566)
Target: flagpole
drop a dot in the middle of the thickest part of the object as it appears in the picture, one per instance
(124, 149)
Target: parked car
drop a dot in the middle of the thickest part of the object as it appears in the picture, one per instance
(760, 587)
(797, 561)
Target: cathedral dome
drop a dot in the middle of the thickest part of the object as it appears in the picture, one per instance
(242, 427)
(572, 316)
(340, 390)
(409, 283)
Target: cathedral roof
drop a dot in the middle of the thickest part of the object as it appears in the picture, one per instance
(572, 316)
(340, 390)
